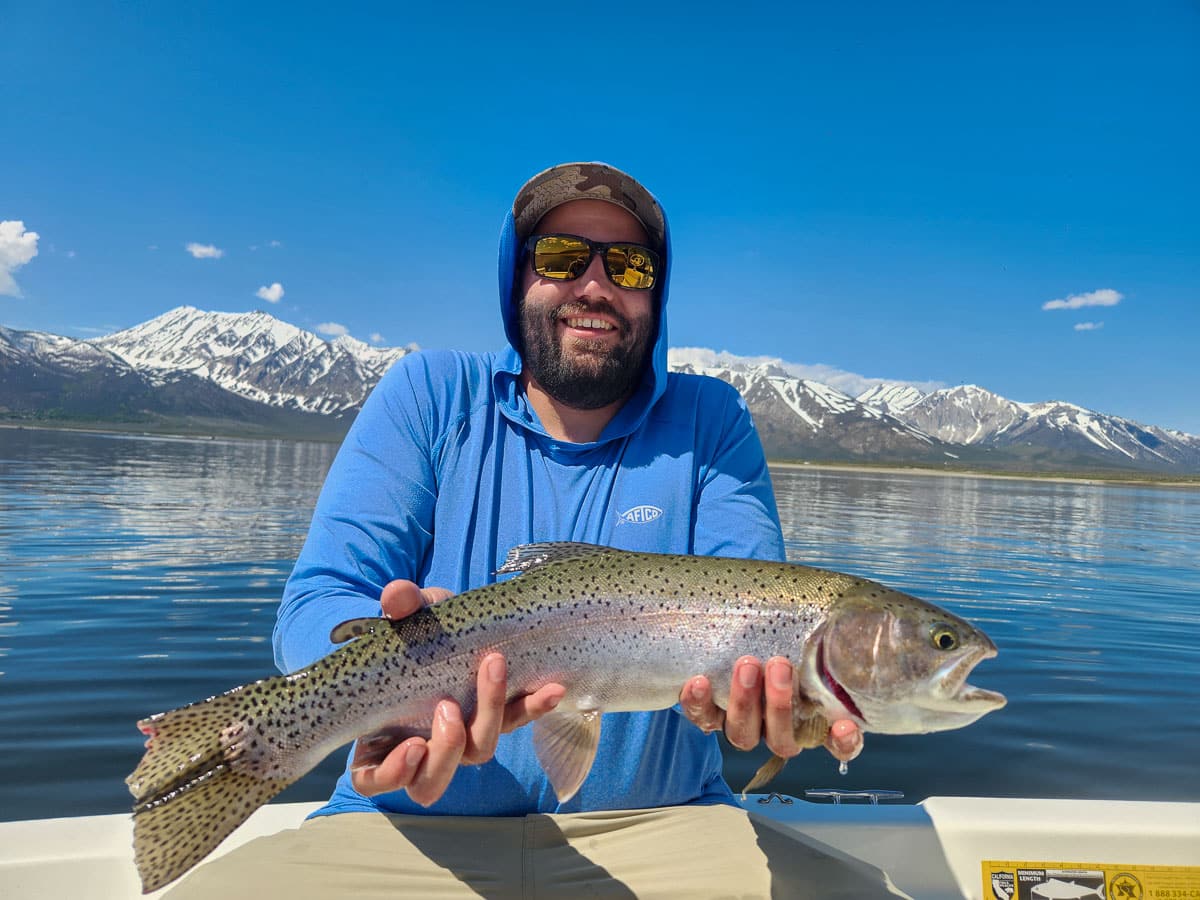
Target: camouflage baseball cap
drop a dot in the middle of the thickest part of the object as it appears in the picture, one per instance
(579, 180)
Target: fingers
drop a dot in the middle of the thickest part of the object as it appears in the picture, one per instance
(532, 706)
(761, 701)
(777, 716)
(396, 771)
(445, 750)
(744, 714)
(696, 701)
(423, 768)
(844, 740)
(402, 598)
(491, 683)
(494, 717)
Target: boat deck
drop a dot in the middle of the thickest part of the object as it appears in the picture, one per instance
(935, 850)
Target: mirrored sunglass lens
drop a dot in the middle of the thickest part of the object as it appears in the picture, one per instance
(630, 266)
(561, 258)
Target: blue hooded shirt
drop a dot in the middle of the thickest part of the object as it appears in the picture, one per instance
(447, 467)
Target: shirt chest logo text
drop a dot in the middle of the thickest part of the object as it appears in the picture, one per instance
(639, 515)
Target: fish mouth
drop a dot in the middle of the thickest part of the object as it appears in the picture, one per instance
(957, 690)
(835, 686)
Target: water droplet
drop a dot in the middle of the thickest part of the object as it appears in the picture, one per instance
(843, 767)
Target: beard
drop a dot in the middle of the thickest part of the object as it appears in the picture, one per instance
(577, 372)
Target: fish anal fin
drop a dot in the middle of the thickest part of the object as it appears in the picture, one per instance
(529, 556)
(565, 743)
(371, 749)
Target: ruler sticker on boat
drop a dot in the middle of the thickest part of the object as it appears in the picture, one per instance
(1026, 880)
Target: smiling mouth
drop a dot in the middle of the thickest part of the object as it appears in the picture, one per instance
(835, 688)
(588, 324)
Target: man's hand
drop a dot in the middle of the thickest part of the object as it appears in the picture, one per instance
(760, 707)
(424, 767)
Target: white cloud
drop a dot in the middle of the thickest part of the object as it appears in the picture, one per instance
(274, 244)
(272, 294)
(205, 251)
(70, 254)
(333, 329)
(17, 247)
(1088, 326)
(1102, 297)
(376, 337)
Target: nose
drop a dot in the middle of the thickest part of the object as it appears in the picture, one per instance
(594, 282)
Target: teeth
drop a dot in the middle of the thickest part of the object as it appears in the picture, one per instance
(589, 323)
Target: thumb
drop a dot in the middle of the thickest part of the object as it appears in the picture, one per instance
(401, 598)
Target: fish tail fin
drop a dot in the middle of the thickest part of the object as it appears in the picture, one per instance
(175, 832)
(205, 770)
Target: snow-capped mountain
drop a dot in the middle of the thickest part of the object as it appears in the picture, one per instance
(193, 371)
(891, 398)
(256, 356)
(251, 373)
(801, 418)
(961, 415)
(969, 415)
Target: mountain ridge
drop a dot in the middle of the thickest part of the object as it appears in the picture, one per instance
(253, 373)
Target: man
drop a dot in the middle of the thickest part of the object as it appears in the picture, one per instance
(575, 432)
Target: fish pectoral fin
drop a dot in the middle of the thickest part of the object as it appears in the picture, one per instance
(808, 732)
(565, 743)
(765, 774)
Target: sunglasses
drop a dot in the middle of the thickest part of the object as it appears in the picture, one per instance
(564, 257)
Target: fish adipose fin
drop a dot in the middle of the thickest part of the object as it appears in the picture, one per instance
(530, 556)
(566, 744)
(353, 628)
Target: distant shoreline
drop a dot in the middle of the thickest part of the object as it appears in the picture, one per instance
(137, 430)
(1130, 478)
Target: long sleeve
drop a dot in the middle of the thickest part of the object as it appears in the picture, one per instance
(372, 523)
(735, 512)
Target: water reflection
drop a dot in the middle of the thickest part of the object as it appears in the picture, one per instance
(138, 574)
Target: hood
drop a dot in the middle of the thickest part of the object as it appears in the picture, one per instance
(506, 381)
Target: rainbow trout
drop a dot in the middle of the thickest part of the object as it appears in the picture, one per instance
(621, 631)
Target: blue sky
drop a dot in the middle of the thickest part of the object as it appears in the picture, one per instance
(893, 190)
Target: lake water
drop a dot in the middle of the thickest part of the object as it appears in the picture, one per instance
(141, 573)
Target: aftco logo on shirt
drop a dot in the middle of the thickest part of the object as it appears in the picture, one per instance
(639, 515)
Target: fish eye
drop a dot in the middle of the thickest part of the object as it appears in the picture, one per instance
(944, 637)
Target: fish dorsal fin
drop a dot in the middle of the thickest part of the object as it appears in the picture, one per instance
(353, 628)
(530, 556)
(565, 743)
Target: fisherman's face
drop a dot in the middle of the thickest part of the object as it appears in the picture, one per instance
(586, 341)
